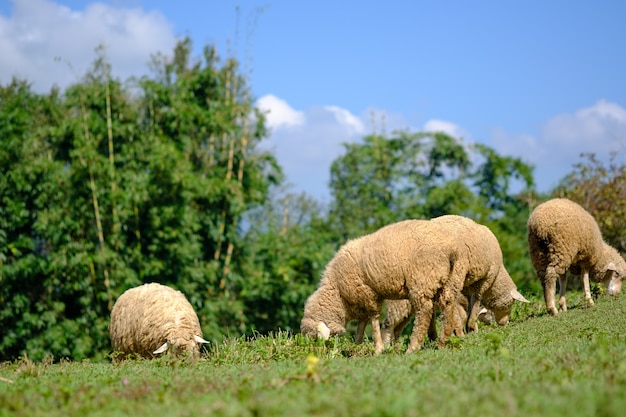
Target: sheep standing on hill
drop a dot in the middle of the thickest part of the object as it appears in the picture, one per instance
(563, 236)
(153, 318)
(418, 260)
(486, 279)
(487, 283)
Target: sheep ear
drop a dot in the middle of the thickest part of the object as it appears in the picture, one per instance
(483, 311)
(199, 339)
(162, 349)
(611, 267)
(519, 297)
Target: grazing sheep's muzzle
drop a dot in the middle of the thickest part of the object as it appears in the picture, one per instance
(182, 347)
(323, 332)
(502, 316)
(615, 285)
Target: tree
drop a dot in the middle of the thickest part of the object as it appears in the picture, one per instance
(289, 244)
(110, 185)
(204, 113)
(385, 179)
(29, 182)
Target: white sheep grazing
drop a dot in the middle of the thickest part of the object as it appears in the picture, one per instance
(486, 279)
(154, 318)
(415, 259)
(563, 236)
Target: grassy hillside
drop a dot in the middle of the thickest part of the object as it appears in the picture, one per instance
(573, 364)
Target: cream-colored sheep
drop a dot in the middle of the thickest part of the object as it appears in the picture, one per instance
(563, 236)
(154, 318)
(486, 278)
(418, 260)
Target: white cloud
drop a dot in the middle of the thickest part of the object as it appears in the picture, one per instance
(278, 113)
(346, 118)
(449, 128)
(41, 39)
(598, 129)
(306, 142)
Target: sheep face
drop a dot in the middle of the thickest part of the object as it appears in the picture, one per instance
(611, 273)
(613, 281)
(181, 346)
(501, 304)
(324, 314)
(502, 316)
(615, 271)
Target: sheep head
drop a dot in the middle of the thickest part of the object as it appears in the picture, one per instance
(319, 328)
(613, 279)
(324, 314)
(610, 271)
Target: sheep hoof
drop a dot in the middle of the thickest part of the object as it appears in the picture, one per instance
(589, 302)
(553, 311)
(411, 349)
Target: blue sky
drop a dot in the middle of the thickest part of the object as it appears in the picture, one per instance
(542, 80)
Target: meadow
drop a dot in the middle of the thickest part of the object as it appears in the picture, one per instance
(573, 364)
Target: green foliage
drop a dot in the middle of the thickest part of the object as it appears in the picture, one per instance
(383, 180)
(573, 363)
(107, 186)
(286, 252)
(161, 178)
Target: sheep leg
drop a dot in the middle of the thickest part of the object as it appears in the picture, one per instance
(378, 341)
(424, 310)
(360, 331)
(460, 316)
(397, 331)
(398, 316)
(448, 324)
(588, 299)
(562, 287)
(387, 335)
(432, 328)
(473, 308)
(392, 331)
(549, 289)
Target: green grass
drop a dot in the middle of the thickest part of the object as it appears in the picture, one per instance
(570, 365)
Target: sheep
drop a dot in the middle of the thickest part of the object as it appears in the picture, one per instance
(486, 276)
(563, 236)
(487, 284)
(419, 260)
(153, 318)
